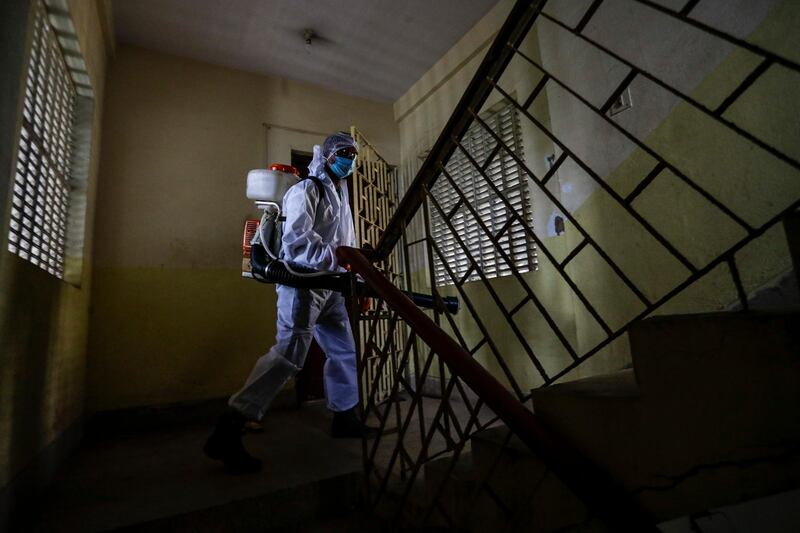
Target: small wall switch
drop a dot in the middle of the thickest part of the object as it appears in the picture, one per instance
(623, 103)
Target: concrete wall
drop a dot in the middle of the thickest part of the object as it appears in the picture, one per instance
(172, 320)
(43, 320)
(754, 184)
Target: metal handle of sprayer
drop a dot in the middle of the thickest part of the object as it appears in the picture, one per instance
(450, 303)
(270, 271)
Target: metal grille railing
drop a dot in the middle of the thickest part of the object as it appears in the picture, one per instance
(699, 152)
(421, 441)
(760, 193)
(374, 201)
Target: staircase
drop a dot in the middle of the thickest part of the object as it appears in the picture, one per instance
(680, 434)
(701, 410)
(706, 416)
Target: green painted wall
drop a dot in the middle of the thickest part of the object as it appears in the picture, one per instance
(177, 334)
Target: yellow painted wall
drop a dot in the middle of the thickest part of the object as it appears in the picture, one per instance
(44, 321)
(172, 320)
(744, 177)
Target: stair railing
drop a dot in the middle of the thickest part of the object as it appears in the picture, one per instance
(761, 186)
(603, 497)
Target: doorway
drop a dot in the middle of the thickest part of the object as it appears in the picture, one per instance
(300, 161)
(309, 386)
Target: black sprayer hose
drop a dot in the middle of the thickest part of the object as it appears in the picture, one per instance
(276, 272)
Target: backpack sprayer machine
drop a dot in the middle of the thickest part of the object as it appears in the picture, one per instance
(261, 244)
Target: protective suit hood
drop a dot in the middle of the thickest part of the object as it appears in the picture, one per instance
(317, 165)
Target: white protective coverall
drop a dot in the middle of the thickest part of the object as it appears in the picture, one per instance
(313, 229)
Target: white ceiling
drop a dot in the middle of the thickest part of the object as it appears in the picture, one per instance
(371, 48)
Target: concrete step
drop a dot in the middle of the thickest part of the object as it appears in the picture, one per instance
(315, 505)
(600, 417)
(606, 406)
(533, 499)
(621, 385)
(453, 480)
(736, 352)
(730, 382)
(388, 508)
(708, 417)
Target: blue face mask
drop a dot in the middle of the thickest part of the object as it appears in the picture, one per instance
(342, 166)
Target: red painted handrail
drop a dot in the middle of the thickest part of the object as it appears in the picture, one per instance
(604, 497)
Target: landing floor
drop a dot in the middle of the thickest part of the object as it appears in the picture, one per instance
(116, 481)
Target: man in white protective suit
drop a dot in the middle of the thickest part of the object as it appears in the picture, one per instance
(318, 220)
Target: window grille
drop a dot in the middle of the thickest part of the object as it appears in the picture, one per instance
(506, 175)
(40, 199)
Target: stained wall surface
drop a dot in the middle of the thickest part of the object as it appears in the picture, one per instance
(172, 319)
(43, 320)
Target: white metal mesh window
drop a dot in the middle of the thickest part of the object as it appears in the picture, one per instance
(509, 180)
(41, 192)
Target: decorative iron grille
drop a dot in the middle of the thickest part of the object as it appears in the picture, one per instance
(690, 141)
(374, 202)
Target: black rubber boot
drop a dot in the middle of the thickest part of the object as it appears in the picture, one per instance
(225, 444)
(347, 425)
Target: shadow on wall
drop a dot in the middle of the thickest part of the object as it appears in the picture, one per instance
(42, 380)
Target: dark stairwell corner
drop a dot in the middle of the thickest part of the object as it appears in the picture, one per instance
(144, 470)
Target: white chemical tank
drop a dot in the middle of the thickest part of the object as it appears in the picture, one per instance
(269, 185)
